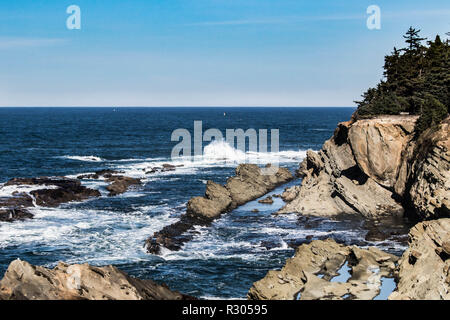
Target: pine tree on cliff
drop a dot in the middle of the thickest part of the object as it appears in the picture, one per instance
(416, 79)
(413, 39)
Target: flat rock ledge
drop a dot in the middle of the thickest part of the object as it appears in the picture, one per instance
(23, 281)
(307, 275)
(249, 183)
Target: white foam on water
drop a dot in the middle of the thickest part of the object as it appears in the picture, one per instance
(7, 191)
(83, 158)
(91, 235)
(216, 154)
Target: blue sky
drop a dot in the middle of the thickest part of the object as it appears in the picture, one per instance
(201, 52)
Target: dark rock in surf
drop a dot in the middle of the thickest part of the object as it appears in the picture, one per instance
(15, 214)
(121, 184)
(267, 200)
(118, 183)
(60, 190)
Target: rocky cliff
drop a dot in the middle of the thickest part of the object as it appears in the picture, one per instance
(424, 269)
(22, 281)
(422, 273)
(376, 167)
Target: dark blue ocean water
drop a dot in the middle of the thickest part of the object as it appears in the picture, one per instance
(224, 259)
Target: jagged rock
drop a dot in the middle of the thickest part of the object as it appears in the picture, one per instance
(430, 188)
(368, 199)
(250, 183)
(267, 200)
(378, 144)
(106, 173)
(216, 200)
(424, 269)
(23, 281)
(377, 167)
(367, 168)
(14, 214)
(290, 194)
(55, 197)
(120, 184)
(307, 275)
(62, 190)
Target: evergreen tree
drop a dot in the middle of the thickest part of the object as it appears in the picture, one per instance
(413, 39)
(416, 79)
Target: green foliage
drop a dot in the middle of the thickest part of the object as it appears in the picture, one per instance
(416, 80)
(433, 113)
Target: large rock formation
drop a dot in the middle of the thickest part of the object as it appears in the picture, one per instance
(376, 167)
(23, 281)
(424, 269)
(250, 183)
(310, 274)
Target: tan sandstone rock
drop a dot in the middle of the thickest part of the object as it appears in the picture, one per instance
(424, 269)
(307, 275)
(22, 281)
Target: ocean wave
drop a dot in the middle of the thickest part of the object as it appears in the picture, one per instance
(216, 154)
(83, 158)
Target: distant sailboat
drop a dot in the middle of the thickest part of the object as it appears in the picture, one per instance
(224, 114)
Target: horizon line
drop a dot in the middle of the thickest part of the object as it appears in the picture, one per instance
(183, 106)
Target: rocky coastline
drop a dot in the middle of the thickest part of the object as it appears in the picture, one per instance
(54, 191)
(423, 271)
(374, 168)
(377, 169)
(249, 183)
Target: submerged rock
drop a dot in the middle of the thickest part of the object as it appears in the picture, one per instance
(120, 184)
(14, 214)
(424, 269)
(310, 274)
(250, 183)
(267, 200)
(376, 167)
(22, 281)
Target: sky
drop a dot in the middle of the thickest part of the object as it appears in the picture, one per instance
(202, 52)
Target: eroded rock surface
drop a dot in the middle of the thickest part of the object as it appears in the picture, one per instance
(250, 183)
(376, 167)
(309, 274)
(22, 281)
(424, 269)
(120, 184)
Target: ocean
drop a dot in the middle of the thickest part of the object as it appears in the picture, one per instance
(223, 259)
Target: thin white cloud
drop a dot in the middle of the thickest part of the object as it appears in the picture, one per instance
(296, 19)
(11, 43)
